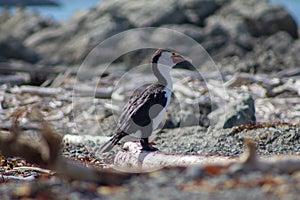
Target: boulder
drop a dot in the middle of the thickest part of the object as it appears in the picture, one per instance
(72, 41)
(225, 28)
(239, 110)
(13, 48)
(22, 24)
(271, 55)
(271, 20)
(156, 13)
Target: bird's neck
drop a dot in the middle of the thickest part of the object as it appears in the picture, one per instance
(163, 75)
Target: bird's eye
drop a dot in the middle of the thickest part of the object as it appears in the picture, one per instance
(175, 54)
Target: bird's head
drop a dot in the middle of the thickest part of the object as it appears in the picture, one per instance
(170, 59)
(163, 61)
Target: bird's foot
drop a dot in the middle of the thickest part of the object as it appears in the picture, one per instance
(149, 148)
(146, 146)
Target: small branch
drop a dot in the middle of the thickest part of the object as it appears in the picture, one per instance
(4, 178)
(37, 169)
(14, 79)
(42, 91)
(93, 92)
(81, 139)
(244, 79)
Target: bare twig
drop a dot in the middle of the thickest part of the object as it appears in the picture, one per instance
(14, 79)
(43, 91)
(37, 169)
(4, 178)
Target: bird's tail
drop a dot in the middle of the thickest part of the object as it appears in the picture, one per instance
(110, 143)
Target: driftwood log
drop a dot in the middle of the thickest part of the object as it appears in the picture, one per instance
(133, 158)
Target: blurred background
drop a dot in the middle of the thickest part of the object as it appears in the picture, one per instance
(65, 9)
(254, 43)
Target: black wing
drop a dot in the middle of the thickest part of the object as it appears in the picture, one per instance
(136, 111)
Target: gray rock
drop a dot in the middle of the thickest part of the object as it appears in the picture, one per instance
(181, 114)
(270, 21)
(72, 42)
(224, 28)
(155, 13)
(273, 54)
(190, 30)
(240, 110)
(22, 24)
(13, 48)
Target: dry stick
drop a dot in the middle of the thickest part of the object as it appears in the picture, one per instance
(245, 78)
(61, 78)
(14, 79)
(37, 169)
(42, 91)
(93, 92)
(4, 178)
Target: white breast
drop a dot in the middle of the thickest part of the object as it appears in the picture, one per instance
(157, 120)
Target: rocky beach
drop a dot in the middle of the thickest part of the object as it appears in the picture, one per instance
(252, 91)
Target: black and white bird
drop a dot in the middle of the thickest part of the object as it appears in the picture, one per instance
(145, 111)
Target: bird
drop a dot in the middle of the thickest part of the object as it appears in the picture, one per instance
(145, 110)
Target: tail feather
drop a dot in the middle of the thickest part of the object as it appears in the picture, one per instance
(110, 143)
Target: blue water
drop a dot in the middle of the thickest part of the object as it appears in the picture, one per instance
(69, 7)
(66, 9)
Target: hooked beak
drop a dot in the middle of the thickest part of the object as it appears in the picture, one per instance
(183, 63)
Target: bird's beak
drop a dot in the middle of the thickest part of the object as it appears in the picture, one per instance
(183, 63)
(177, 59)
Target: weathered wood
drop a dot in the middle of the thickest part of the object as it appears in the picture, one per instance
(133, 159)
(246, 79)
(93, 92)
(81, 139)
(288, 73)
(37, 169)
(42, 91)
(61, 78)
(4, 178)
(14, 79)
